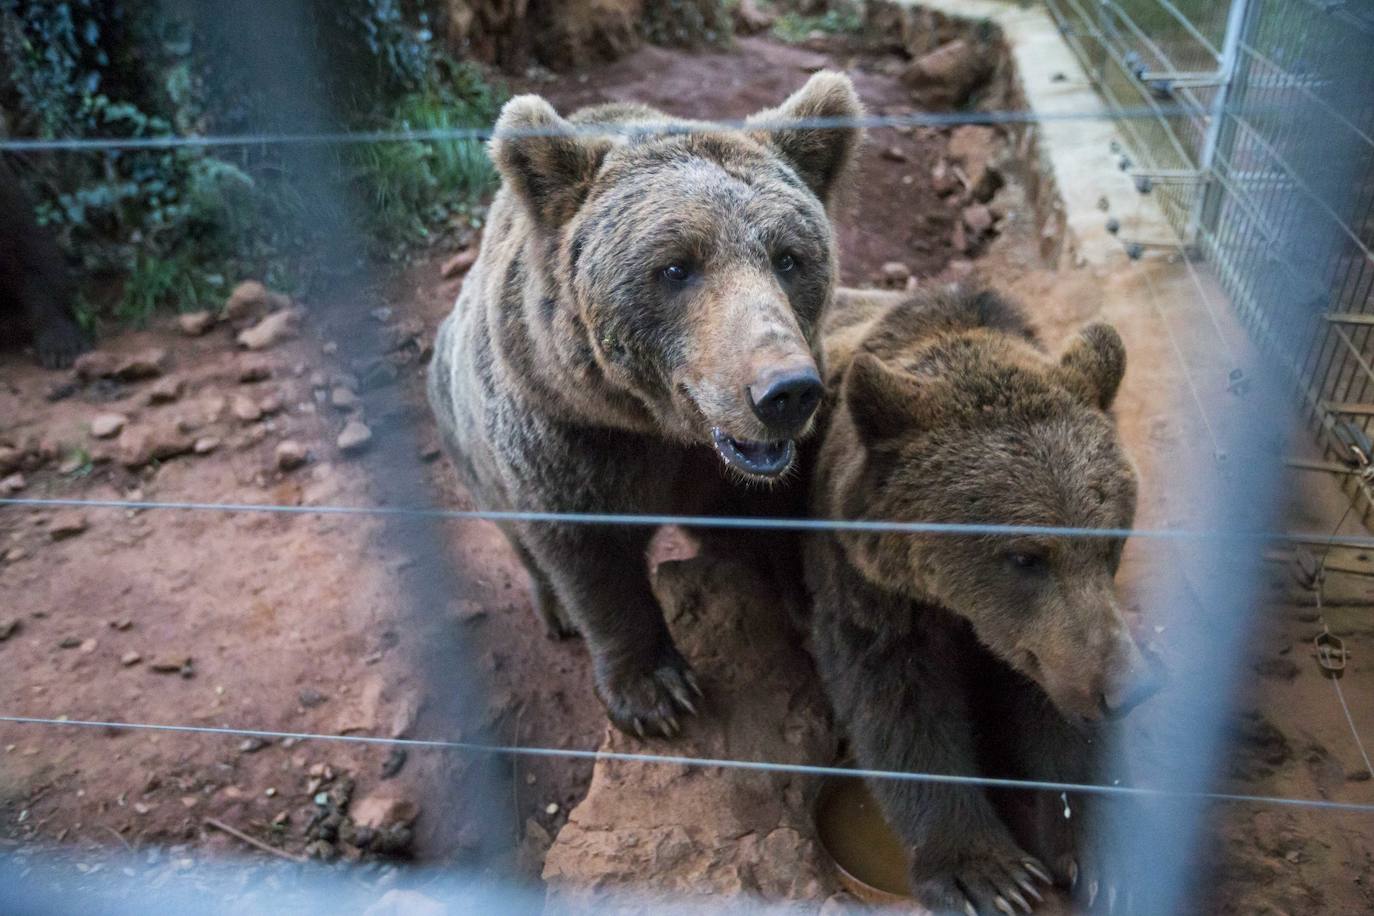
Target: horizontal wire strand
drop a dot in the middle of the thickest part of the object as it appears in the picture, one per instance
(966, 529)
(804, 769)
(660, 128)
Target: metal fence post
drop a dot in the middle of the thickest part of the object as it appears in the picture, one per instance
(1206, 206)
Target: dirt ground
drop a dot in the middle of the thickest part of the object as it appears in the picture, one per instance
(369, 625)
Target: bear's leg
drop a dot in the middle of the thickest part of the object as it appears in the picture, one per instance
(903, 701)
(546, 604)
(601, 575)
(1040, 744)
(57, 339)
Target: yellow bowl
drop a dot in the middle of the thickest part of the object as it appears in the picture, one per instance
(869, 858)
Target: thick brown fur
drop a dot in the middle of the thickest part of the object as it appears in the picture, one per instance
(578, 374)
(973, 654)
(36, 288)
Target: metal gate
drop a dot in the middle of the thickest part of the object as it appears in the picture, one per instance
(1261, 155)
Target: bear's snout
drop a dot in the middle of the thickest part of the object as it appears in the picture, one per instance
(785, 398)
(1135, 683)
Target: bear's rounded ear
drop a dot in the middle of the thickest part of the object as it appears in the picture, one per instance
(884, 402)
(546, 162)
(1092, 366)
(820, 154)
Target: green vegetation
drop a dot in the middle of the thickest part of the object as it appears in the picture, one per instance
(840, 19)
(157, 228)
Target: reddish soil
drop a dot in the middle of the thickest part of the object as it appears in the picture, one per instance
(365, 625)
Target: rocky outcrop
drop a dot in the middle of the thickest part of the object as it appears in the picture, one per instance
(650, 831)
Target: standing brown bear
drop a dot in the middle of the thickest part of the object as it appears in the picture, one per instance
(645, 309)
(971, 654)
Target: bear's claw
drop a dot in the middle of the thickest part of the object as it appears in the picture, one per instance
(648, 704)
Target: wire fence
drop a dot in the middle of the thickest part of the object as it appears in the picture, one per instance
(1280, 201)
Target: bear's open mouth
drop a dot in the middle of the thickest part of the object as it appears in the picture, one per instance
(757, 459)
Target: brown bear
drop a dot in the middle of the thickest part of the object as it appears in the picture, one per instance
(36, 289)
(973, 654)
(642, 323)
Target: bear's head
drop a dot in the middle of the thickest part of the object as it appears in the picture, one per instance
(978, 426)
(697, 261)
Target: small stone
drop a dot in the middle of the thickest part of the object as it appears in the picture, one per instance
(394, 762)
(205, 445)
(254, 369)
(15, 554)
(460, 263)
(271, 403)
(165, 391)
(310, 698)
(108, 425)
(245, 409)
(140, 445)
(270, 792)
(251, 298)
(88, 646)
(8, 627)
(251, 745)
(895, 154)
(551, 809)
(291, 455)
(895, 274)
(194, 324)
(171, 663)
(342, 398)
(122, 624)
(382, 810)
(140, 808)
(69, 642)
(281, 819)
(13, 483)
(130, 658)
(66, 525)
(145, 364)
(71, 465)
(355, 437)
(271, 330)
(978, 219)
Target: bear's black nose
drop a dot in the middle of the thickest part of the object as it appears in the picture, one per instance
(786, 400)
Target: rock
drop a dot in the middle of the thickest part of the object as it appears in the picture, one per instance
(696, 833)
(88, 646)
(975, 147)
(355, 437)
(394, 763)
(71, 465)
(271, 403)
(895, 274)
(271, 330)
(254, 369)
(130, 658)
(460, 263)
(10, 458)
(310, 698)
(12, 484)
(894, 154)
(66, 525)
(194, 324)
(381, 810)
(290, 455)
(135, 367)
(108, 425)
(172, 663)
(245, 409)
(8, 627)
(946, 77)
(251, 745)
(142, 444)
(750, 18)
(165, 391)
(978, 219)
(250, 299)
(69, 642)
(205, 445)
(342, 398)
(122, 624)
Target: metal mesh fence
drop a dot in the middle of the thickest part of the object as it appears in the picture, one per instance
(1262, 158)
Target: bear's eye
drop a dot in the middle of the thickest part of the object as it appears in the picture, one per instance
(1027, 562)
(675, 274)
(784, 263)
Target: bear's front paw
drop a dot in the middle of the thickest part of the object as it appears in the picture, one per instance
(647, 701)
(984, 882)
